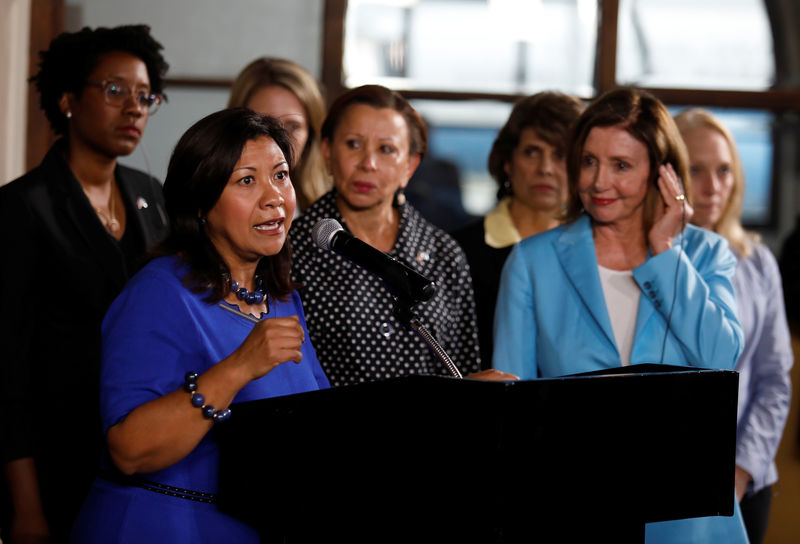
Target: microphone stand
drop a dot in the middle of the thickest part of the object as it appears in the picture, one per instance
(403, 310)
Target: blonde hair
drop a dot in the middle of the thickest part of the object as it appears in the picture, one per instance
(308, 173)
(729, 225)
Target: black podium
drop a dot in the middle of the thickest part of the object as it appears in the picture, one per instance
(587, 458)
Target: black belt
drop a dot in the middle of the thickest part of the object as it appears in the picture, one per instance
(157, 487)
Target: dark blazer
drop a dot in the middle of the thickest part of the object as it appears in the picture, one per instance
(60, 271)
(485, 267)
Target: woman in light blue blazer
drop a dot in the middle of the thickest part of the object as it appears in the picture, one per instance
(624, 280)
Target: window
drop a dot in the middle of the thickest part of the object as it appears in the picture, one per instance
(494, 46)
(463, 132)
(691, 44)
(463, 62)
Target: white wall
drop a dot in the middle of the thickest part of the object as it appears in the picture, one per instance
(206, 39)
(14, 37)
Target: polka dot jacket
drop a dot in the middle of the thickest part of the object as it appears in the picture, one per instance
(349, 312)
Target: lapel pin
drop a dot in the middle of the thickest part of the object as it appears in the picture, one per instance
(141, 203)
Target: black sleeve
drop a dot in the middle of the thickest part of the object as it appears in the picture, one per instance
(20, 289)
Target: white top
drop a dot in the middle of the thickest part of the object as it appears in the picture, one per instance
(622, 301)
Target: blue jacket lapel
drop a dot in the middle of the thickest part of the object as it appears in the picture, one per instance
(646, 312)
(576, 253)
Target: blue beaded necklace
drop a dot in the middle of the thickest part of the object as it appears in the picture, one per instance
(250, 297)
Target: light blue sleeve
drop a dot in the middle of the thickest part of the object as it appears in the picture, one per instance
(769, 395)
(515, 319)
(703, 317)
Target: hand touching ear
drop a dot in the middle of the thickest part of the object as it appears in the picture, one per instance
(673, 214)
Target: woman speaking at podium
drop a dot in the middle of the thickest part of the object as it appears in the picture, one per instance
(213, 321)
(624, 280)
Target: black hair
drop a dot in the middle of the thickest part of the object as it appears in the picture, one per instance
(378, 97)
(199, 170)
(66, 64)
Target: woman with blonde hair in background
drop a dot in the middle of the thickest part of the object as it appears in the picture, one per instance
(764, 382)
(285, 90)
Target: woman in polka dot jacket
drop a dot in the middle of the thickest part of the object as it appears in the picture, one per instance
(372, 140)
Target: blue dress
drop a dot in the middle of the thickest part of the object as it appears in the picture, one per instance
(155, 332)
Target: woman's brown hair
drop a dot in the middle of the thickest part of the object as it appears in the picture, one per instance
(645, 118)
(549, 113)
(379, 97)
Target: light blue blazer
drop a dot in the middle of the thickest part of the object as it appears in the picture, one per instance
(551, 320)
(551, 317)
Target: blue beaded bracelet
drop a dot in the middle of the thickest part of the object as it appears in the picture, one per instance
(199, 401)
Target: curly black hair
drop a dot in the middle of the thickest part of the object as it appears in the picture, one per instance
(72, 56)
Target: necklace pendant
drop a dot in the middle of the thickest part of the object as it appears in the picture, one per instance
(256, 296)
(113, 225)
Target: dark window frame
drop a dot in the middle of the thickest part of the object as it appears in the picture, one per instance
(783, 98)
(47, 21)
(776, 99)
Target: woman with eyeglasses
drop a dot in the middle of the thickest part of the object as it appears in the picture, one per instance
(72, 231)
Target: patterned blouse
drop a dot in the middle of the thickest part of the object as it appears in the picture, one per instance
(349, 311)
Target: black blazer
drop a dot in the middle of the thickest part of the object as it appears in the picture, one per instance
(59, 272)
(485, 267)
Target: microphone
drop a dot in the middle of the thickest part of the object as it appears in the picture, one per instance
(401, 280)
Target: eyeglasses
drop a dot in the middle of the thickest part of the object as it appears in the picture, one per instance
(117, 94)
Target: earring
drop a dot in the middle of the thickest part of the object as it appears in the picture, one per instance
(202, 221)
(507, 187)
(68, 114)
(399, 198)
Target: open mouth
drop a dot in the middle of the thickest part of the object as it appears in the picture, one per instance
(274, 226)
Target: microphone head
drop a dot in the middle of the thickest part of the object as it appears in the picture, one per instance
(324, 231)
